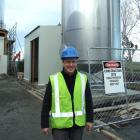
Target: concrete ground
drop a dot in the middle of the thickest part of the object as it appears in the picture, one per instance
(20, 114)
(129, 130)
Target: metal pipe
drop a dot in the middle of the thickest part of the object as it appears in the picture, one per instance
(1, 13)
(114, 48)
(115, 28)
(126, 120)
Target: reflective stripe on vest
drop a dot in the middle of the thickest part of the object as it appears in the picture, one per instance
(57, 101)
(67, 114)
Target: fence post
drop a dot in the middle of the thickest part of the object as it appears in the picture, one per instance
(125, 84)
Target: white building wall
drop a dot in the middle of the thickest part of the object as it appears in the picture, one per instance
(49, 45)
(3, 58)
(27, 54)
(27, 62)
(3, 64)
(49, 60)
(1, 45)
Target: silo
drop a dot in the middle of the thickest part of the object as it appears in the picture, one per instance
(1, 13)
(92, 23)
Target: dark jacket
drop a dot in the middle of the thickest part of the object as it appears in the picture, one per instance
(70, 82)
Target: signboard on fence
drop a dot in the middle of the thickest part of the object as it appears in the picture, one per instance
(113, 77)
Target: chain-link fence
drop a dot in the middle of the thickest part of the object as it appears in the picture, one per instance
(118, 105)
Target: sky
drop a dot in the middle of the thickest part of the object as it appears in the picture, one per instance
(29, 14)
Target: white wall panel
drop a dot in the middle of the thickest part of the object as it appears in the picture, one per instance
(49, 60)
(49, 45)
(3, 64)
(1, 45)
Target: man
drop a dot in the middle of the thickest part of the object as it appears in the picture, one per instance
(67, 105)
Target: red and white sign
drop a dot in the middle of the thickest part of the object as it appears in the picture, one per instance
(113, 77)
(111, 64)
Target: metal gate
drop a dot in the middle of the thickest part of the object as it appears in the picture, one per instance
(116, 107)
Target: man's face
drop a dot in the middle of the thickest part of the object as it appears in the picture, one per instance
(70, 65)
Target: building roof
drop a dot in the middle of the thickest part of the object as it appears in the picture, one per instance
(32, 31)
(3, 32)
(39, 27)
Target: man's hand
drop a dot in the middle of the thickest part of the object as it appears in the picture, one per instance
(45, 131)
(89, 126)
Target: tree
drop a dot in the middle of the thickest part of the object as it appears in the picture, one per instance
(130, 19)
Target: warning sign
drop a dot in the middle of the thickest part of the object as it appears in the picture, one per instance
(113, 77)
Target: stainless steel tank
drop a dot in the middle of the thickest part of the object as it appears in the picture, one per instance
(1, 13)
(92, 23)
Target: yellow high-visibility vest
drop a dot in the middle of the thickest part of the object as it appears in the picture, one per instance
(61, 114)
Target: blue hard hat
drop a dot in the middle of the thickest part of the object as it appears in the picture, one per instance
(69, 52)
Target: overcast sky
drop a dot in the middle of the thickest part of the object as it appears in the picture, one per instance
(30, 13)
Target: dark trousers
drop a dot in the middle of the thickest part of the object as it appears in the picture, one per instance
(74, 133)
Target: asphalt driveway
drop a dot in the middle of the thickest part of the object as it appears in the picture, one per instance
(20, 114)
